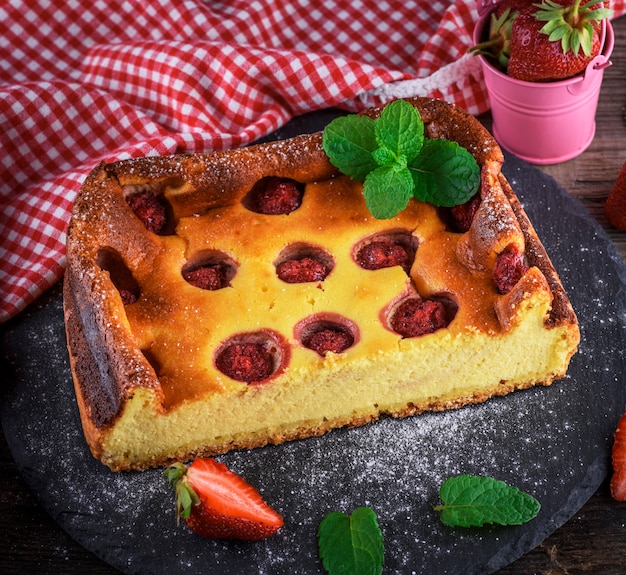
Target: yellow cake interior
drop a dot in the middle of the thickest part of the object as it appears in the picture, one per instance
(145, 374)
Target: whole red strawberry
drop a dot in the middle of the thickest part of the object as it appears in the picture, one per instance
(615, 205)
(553, 40)
(219, 504)
(618, 480)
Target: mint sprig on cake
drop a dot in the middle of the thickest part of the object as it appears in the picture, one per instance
(396, 162)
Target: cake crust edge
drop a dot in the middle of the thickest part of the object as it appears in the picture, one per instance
(102, 396)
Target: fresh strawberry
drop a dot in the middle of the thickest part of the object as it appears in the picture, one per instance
(615, 205)
(219, 504)
(618, 480)
(553, 40)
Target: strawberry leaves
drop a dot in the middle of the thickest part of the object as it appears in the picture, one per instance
(498, 44)
(351, 544)
(473, 501)
(186, 497)
(396, 162)
(571, 25)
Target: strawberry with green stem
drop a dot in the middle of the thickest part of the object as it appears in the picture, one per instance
(217, 503)
(497, 47)
(553, 40)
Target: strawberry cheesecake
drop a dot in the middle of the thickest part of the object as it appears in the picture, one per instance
(248, 297)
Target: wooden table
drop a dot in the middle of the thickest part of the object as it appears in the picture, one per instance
(593, 541)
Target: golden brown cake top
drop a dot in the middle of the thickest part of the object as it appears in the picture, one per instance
(137, 285)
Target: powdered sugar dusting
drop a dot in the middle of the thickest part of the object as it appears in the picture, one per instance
(551, 442)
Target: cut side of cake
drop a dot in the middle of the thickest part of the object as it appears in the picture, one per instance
(248, 297)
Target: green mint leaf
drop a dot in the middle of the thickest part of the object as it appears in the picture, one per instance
(349, 142)
(442, 172)
(387, 191)
(385, 157)
(400, 129)
(473, 501)
(351, 544)
(445, 174)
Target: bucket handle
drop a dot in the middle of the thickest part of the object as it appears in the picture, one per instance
(595, 67)
(597, 64)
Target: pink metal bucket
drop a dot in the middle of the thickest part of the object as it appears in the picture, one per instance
(545, 123)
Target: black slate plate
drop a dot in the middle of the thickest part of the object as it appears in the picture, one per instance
(552, 442)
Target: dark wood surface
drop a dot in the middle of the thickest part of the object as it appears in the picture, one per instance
(593, 541)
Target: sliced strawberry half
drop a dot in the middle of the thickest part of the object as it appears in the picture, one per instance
(618, 480)
(219, 504)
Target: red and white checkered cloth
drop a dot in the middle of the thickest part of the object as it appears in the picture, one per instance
(82, 82)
